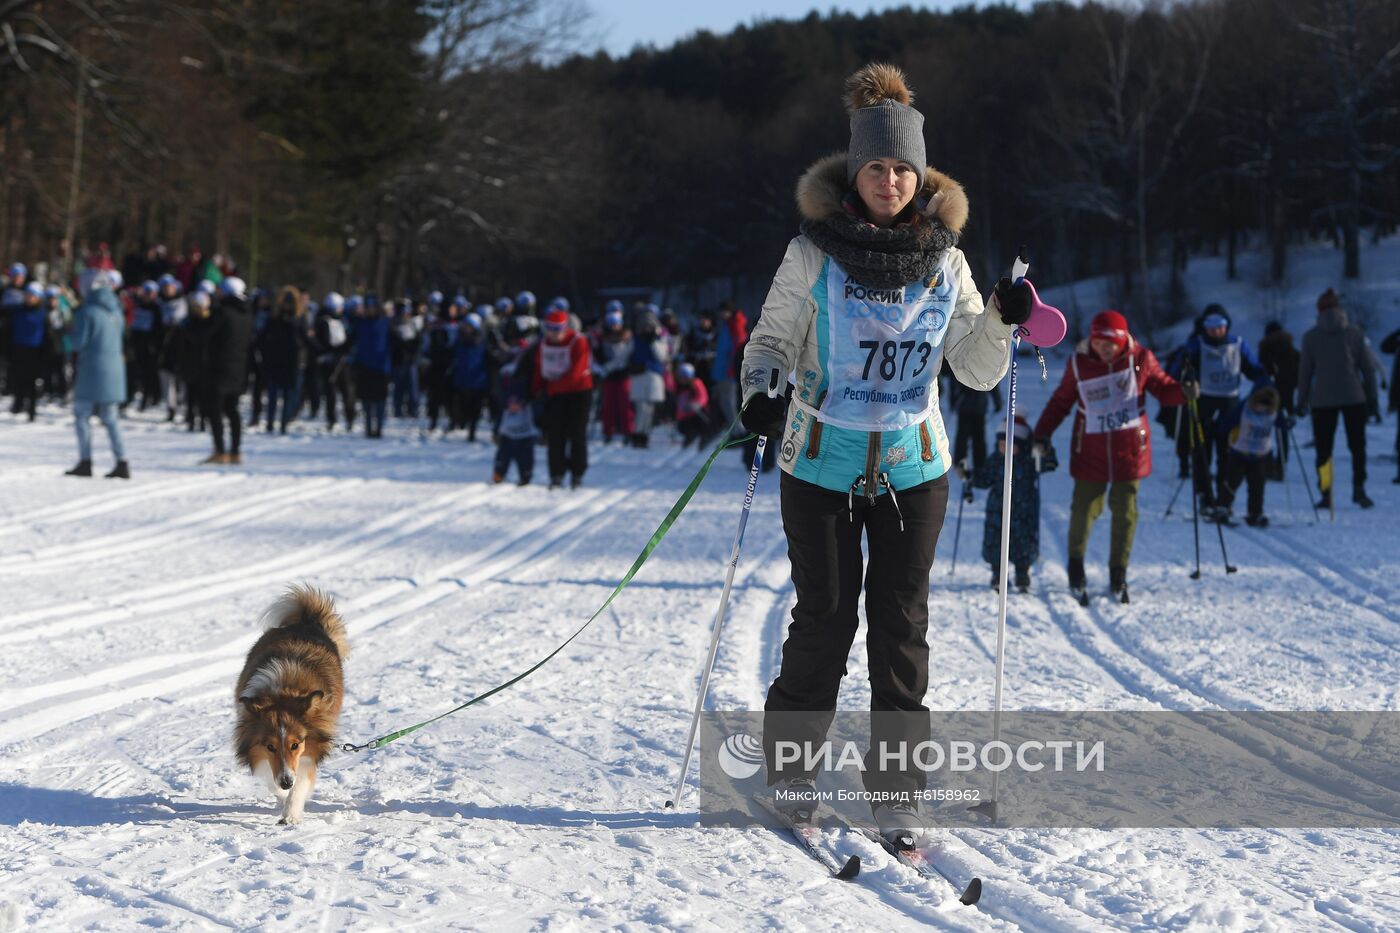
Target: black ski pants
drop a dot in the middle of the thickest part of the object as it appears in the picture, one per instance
(335, 379)
(225, 405)
(1325, 434)
(1214, 445)
(566, 427)
(972, 431)
(1250, 471)
(824, 547)
(26, 366)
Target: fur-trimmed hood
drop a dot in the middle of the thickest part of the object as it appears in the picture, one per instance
(823, 185)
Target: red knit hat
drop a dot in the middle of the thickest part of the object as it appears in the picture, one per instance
(1328, 299)
(1109, 325)
(556, 320)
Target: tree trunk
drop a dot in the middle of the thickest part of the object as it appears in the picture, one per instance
(70, 221)
(1231, 233)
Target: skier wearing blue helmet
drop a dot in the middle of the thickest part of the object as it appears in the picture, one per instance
(29, 322)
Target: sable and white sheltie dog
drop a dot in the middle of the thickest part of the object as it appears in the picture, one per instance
(289, 694)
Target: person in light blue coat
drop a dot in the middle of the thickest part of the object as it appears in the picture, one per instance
(100, 385)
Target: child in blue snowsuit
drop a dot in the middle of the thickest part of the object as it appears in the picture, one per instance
(1249, 428)
(1025, 504)
(515, 442)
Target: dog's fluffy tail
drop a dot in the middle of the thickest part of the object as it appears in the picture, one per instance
(306, 605)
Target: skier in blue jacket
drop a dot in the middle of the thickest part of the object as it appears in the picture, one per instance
(1219, 361)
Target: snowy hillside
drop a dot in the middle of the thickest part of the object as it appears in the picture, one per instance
(127, 608)
(1253, 300)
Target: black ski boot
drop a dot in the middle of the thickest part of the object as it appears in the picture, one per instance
(84, 468)
(1257, 521)
(1023, 578)
(796, 799)
(1118, 583)
(1326, 501)
(1358, 495)
(120, 471)
(1076, 580)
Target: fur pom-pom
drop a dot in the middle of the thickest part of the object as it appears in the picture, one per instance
(874, 83)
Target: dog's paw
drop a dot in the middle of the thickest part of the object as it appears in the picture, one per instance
(291, 819)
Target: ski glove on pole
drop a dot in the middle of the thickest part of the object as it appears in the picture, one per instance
(1014, 301)
(765, 402)
(1191, 389)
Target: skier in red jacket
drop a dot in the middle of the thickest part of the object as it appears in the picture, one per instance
(1106, 382)
(563, 372)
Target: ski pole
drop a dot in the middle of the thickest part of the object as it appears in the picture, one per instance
(1018, 271)
(675, 800)
(1172, 502)
(957, 531)
(1307, 485)
(1192, 426)
(1220, 530)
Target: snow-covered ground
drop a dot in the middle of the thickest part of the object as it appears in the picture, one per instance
(126, 608)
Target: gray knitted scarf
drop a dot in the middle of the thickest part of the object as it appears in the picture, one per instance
(881, 257)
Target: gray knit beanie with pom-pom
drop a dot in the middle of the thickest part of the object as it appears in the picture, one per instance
(883, 124)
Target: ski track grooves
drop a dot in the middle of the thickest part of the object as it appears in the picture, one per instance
(228, 513)
(105, 502)
(98, 692)
(1352, 588)
(338, 550)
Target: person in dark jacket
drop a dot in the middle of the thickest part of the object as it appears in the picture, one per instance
(100, 385)
(283, 351)
(227, 342)
(1337, 380)
(147, 335)
(260, 303)
(1391, 344)
(1025, 504)
(471, 377)
(442, 334)
(190, 348)
(971, 406)
(28, 336)
(1280, 358)
(405, 342)
(174, 308)
(372, 363)
(332, 343)
(1218, 360)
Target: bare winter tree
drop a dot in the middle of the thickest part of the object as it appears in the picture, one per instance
(1358, 68)
(495, 178)
(1122, 135)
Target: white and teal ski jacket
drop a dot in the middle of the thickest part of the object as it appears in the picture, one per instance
(864, 362)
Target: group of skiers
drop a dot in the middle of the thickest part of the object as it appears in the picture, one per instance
(1228, 434)
(532, 377)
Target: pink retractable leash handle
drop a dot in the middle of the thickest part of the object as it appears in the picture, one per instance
(1046, 325)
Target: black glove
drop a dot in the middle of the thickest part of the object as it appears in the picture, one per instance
(1014, 301)
(764, 415)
